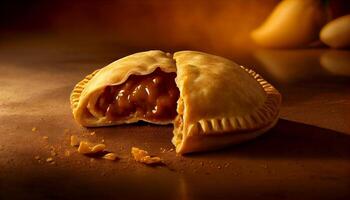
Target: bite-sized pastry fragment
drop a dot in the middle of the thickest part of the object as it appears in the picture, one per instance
(213, 102)
(110, 156)
(49, 160)
(74, 141)
(142, 156)
(90, 148)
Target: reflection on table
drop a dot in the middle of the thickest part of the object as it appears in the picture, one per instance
(290, 65)
(336, 62)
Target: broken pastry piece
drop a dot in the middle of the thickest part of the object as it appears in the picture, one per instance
(142, 156)
(74, 141)
(110, 156)
(212, 101)
(89, 148)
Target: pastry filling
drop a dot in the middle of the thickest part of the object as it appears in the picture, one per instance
(151, 97)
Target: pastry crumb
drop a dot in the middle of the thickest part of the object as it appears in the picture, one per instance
(98, 148)
(37, 157)
(53, 153)
(34, 129)
(84, 147)
(162, 150)
(45, 137)
(92, 133)
(142, 156)
(89, 148)
(67, 153)
(49, 159)
(74, 141)
(110, 156)
(52, 148)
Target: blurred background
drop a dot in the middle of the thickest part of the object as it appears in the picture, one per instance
(214, 26)
(177, 24)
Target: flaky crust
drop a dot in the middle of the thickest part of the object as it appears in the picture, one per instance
(220, 100)
(86, 92)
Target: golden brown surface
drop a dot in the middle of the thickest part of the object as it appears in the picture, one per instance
(306, 156)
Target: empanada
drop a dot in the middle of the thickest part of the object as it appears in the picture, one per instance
(212, 101)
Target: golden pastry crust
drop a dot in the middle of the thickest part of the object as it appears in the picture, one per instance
(219, 98)
(86, 92)
(220, 102)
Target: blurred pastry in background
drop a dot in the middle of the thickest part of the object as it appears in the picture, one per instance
(336, 62)
(290, 65)
(336, 33)
(293, 23)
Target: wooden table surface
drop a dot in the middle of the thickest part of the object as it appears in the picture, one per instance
(306, 156)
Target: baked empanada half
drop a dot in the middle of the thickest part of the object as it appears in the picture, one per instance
(212, 101)
(221, 103)
(137, 87)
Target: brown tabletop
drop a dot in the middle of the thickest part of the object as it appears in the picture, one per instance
(306, 156)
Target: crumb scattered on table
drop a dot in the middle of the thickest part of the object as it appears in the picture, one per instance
(74, 141)
(53, 153)
(110, 156)
(67, 153)
(49, 159)
(89, 148)
(98, 148)
(142, 156)
(34, 129)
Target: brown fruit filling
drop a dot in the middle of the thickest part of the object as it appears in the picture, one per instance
(151, 97)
